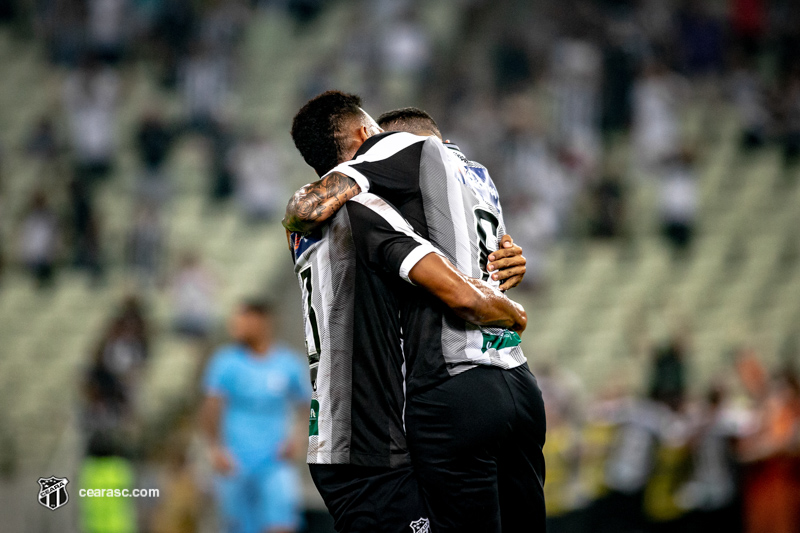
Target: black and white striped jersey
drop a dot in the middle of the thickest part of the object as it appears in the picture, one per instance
(453, 203)
(350, 272)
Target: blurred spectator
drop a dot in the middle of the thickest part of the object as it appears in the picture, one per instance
(38, 240)
(259, 178)
(145, 245)
(123, 350)
(132, 314)
(180, 500)
(89, 251)
(785, 23)
(406, 47)
(655, 22)
(221, 25)
(535, 192)
(712, 491)
(8, 11)
(749, 97)
(679, 201)
(204, 84)
(406, 55)
(538, 175)
(791, 119)
(772, 482)
(629, 466)
(107, 24)
(3, 196)
(304, 11)
(668, 378)
(110, 383)
(564, 498)
(173, 30)
(61, 22)
(512, 64)
(107, 407)
(90, 99)
(701, 39)
(748, 24)
(154, 140)
(575, 78)
(252, 390)
(223, 142)
(85, 231)
(670, 470)
(607, 207)
(656, 135)
(618, 73)
(194, 293)
(43, 142)
(561, 453)
(105, 467)
(2, 259)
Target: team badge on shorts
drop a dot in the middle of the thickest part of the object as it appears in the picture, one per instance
(421, 526)
(53, 492)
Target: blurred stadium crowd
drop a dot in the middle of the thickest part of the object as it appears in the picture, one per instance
(601, 122)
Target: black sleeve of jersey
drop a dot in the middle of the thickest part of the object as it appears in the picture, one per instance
(394, 177)
(383, 238)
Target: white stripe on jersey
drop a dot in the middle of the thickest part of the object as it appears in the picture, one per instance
(326, 418)
(383, 149)
(413, 258)
(380, 207)
(464, 256)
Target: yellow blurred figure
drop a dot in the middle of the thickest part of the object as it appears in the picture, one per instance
(115, 514)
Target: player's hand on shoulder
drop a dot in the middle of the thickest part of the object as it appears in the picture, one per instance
(507, 264)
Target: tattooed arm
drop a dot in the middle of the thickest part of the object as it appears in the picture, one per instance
(470, 299)
(317, 202)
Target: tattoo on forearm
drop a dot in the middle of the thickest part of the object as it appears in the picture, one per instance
(318, 201)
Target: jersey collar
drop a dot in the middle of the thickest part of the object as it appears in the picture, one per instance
(369, 143)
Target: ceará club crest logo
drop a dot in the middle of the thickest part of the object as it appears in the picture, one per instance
(53, 492)
(421, 526)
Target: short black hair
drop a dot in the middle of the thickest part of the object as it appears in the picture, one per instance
(316, 128)
(410, 119)
(259, 306)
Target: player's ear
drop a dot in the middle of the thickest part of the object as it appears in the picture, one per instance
(365, 132)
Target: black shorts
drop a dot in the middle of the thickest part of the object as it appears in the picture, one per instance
(371, 499)
(476, 444)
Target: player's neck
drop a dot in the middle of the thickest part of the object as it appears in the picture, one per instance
(259, 347)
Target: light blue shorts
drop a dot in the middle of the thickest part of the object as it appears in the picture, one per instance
(255, 502)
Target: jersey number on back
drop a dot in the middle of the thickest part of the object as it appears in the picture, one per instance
(486, 225)
(313, 344)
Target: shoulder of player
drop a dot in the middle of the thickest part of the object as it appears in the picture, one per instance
(368, 211)
(476, 164)
(454, 150)
(368, 205)
(389, 138)
(226, 354)
(383, 146)
(285, 355)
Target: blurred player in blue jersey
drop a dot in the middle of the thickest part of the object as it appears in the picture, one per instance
(253, 391)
